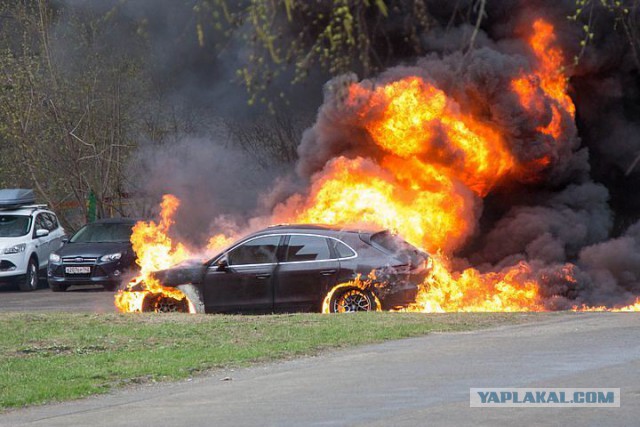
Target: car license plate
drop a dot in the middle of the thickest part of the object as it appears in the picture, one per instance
(77, 270)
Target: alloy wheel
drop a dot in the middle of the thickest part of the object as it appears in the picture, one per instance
(351, 301)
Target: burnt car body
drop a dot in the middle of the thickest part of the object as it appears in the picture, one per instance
(100, 253)
(294, 268)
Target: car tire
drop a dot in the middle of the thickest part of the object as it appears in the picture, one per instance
(56, 287)
(350, 300)
(30, 281)
(164, 304)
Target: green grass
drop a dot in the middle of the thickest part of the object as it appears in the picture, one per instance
(61, 356)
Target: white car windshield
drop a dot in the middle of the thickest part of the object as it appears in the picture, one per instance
(14, 225)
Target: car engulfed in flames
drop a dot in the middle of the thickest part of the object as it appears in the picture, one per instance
(436, 158)
(289, 268)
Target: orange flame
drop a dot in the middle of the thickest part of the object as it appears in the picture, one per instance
(357, 191)
(470, 290)
(631, 307)
(219, 242)
(415, 119)
(155, 251)
(548, 79)
(435, 164)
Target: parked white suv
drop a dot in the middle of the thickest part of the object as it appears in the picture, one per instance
(28, 234)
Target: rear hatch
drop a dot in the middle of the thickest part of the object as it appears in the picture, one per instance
(410, 259)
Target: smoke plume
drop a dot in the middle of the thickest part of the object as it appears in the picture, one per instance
(545, 191)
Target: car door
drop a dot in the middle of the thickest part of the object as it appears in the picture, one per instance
(244, 280)
(41, 244)
(56, 232)
(306, 273)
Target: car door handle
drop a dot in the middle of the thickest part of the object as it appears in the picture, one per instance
(328, 272)
(263, 276)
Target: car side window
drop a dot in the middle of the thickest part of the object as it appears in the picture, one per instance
(307, 248)
(40, 223)
(48, 222)
(53, 222)
(341, 249)
(261, 250)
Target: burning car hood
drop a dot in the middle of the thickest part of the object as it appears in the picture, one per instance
(190, 271)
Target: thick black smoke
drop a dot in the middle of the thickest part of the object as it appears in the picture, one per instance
(217, 180)
(583, 212)
(565, 224)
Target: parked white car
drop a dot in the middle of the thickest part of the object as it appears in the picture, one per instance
(28, 234)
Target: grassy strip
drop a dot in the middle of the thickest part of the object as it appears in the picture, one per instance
(62, 356)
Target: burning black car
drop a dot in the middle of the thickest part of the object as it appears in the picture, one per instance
(98, 254)
(299, 268)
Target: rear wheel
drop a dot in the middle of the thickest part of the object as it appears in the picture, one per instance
(30, 281)
(351, 300)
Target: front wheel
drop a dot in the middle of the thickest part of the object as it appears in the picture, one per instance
(30, 281)
(164, 304)
(351, 300)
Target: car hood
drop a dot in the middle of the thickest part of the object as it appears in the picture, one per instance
(190, 271)
(7, 242)
(92, 250)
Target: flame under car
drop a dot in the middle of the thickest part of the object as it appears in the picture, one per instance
(296, 268)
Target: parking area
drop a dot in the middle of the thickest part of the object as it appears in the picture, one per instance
(91, 299)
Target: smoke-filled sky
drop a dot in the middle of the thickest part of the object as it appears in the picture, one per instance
(581, 208)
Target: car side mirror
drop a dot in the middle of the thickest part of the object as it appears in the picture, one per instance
(42, 232)
(223, 264)
(65, 239)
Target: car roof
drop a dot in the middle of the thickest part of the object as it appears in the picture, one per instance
(326, 230)
(25, 210)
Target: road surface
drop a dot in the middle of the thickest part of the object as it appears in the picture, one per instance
(91, 299)
(419, 381)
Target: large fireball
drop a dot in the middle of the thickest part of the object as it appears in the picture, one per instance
(432, 157)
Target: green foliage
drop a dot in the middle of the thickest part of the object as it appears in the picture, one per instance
(332, 37)
(626, 17)
(66, 124)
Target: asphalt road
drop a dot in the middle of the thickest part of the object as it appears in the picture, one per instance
(420, 381)
(91, 299)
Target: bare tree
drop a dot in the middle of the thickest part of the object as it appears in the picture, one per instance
(67, 129)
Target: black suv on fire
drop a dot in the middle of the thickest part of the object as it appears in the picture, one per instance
(300, 268)
(98, 254)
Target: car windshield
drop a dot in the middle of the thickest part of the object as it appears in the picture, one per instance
(14, 225)
(102, 233)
